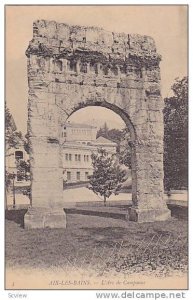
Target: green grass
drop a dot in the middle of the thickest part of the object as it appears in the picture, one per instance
(111, 244)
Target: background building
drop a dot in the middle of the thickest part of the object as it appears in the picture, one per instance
(79, 142)
(78, 132)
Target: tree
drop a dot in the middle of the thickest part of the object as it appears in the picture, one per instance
(13, 139)
(8, 179)
(12, 136)
(103, 131)
(23, 170)
(107, 175)
(122, 138)
(115, 135)
(176, 136)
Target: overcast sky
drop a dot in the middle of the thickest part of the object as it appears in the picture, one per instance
(166, 24)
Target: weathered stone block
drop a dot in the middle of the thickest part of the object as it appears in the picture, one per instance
(148, 44)
(92, 35)
(148, 215)
(43, 28)
(63, 32)
(39, 217)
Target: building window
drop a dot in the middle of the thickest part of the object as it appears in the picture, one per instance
(18, 154)
(77, 157)
(68, 156)
(68, 176)
(78, 176)
(86, 157)
(86, 175)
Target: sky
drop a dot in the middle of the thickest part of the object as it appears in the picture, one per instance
(166, 24)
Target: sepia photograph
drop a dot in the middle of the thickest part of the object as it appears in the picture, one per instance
(96, 147)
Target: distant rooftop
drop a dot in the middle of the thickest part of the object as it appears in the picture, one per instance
(103, 140)
(79, 125)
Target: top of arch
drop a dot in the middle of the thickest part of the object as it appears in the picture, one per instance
(51, 38)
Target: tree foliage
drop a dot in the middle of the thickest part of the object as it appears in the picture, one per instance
(114, 135)
(23, 170)
(12, 136)
(8, 180)
(176, 136)
(107, 175)
(13, 139)
(103, 131)
(122, 139)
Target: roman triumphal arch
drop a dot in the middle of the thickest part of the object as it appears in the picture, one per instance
(71, 67)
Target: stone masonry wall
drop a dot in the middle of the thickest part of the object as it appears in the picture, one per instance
(70, 67)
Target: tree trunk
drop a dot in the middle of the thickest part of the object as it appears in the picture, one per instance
(105, 201)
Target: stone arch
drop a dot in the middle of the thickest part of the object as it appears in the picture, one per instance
(133, 91)
(125, 117)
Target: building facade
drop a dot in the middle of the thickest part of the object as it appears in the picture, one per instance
(79, 142)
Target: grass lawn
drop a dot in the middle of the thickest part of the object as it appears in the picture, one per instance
(105, 244)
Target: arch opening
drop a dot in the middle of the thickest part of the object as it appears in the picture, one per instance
(127, 125)
(114, 108)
